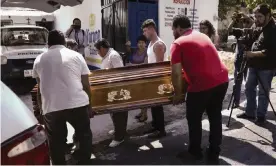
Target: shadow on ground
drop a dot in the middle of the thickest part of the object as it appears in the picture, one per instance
(237, 148)
(172, 150)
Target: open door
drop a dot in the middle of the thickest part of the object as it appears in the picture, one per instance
(48, 6)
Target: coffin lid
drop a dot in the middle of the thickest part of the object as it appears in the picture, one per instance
(129, 73)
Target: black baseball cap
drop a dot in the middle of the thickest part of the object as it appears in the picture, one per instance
(263, 9)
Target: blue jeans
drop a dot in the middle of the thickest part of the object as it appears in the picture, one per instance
(265, 77)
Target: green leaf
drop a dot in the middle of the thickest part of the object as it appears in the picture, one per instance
(227, 5)
(254, 3)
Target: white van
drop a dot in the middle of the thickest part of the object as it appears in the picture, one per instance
(20, 45)
(23, 140)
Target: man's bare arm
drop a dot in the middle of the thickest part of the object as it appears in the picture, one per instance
(38, 95)
(180, 85)
(86, 87)
(159, 50)
(68, 31)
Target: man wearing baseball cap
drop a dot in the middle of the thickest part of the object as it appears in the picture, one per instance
(261, 63)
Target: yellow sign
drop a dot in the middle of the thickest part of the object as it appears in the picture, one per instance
(92, 20)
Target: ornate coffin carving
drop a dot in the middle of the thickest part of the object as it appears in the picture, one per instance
(128, 88)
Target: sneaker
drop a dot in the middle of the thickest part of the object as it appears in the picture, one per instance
(244, 116)
(111, 132)
(157, 134)
(115, 143)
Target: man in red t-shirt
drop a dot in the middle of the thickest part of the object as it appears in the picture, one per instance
(198, 70)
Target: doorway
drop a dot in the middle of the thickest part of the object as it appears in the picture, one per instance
(138, 12)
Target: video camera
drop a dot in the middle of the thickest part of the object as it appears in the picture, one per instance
(237, 16)
(246, 36)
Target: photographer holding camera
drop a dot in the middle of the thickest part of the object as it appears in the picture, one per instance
(76, 33)
(240, 21)
(262, 64)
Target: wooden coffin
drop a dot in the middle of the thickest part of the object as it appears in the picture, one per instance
(128, 88)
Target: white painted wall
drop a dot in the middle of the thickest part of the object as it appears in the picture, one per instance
(205, 9)
(89, 12)
(65, 15)
(21, 15)
(208, 10)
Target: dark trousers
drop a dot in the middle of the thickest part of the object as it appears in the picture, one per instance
(197, 103)
(119, 120)
(158, 118)
(56, 129)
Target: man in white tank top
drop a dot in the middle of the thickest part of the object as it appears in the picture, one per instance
(156, 53)
(157, 48)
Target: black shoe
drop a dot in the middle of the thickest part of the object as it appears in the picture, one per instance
(70, 145)
(157, 134)
(236, 105)
(212, 158)
(212, 161)
(78, 159)
(197, 155)
(84, 162)
(152, 130)
(260, 120)
(244, 116)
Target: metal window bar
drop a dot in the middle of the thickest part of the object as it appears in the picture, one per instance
(114, 23)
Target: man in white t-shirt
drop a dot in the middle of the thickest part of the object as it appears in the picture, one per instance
(62, 76)
(112, 59)
(156, 53)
